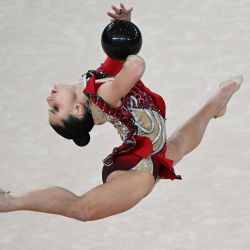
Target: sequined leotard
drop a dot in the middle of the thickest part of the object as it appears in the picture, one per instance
(140, 121)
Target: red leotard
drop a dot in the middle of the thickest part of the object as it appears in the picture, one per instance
(136, 146)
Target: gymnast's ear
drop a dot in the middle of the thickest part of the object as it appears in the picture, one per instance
(79, 109)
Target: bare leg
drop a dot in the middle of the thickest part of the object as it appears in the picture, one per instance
(55, 200)
(122, 191)
(189, 135)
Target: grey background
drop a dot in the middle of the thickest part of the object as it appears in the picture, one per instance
(189, 47)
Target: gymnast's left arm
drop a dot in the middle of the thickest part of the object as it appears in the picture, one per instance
(131, 72)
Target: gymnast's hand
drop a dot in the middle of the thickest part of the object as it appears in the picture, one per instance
(120, 14)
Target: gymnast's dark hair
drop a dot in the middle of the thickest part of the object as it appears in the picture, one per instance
(76, 128)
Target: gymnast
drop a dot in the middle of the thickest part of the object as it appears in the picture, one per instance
(114, 93)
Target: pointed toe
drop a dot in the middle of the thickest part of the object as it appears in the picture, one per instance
(238, 79)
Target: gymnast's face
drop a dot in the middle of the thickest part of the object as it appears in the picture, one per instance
(62, 102)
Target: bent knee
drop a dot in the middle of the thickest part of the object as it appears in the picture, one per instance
(81, 214)
(91, 213)
(88, 211)
(79, 211)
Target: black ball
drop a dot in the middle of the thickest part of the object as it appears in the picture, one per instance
(120, 39)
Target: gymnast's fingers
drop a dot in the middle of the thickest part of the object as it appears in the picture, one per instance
(124, 10)
(116, 10)
(123, 7)
(130, 9)
(114, 16)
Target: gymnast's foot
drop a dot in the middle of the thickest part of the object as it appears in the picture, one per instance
(230, 87)
(6, 204)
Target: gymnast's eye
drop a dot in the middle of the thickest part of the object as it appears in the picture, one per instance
(55, 109)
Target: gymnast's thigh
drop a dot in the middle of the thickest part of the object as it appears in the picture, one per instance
(174, 150)
(143, 168)
(122, 191)
(129, 163)
(145, 181)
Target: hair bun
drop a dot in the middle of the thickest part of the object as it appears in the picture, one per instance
(83, 140)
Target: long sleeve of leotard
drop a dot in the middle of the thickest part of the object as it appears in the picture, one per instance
(111, 67)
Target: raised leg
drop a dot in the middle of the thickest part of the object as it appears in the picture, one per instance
(122, 191)
(189, 135)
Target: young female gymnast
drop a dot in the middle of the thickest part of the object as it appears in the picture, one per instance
(114, 93)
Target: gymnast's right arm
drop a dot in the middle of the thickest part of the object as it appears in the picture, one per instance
(126, 73)
(132, 70)
(120, 14)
